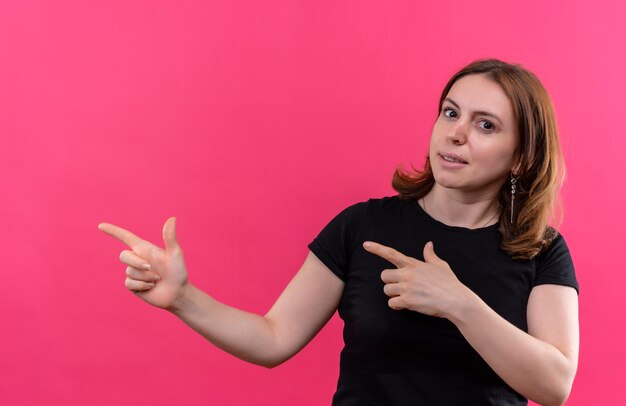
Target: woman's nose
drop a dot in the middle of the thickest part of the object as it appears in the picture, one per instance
(458, 133)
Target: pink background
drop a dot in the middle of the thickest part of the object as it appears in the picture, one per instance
(255, 123)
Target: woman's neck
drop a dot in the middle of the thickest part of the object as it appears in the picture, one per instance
(459, 209)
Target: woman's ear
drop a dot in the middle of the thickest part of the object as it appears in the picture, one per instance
(517, 164)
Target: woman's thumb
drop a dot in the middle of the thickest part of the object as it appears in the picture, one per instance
(429, 253)
(169, 235)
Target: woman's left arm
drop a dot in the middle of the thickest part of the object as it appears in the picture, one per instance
(540, 364)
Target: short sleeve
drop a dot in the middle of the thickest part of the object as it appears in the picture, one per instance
(336, 242)
(554, 265)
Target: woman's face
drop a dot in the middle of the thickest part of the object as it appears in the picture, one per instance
(474, 140)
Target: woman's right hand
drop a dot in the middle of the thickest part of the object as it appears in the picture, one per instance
(163, 283)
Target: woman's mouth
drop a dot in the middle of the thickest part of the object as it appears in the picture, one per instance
(453, 158)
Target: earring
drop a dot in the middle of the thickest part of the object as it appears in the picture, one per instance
(513, 182)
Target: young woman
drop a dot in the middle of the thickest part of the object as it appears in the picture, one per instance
(455, 291)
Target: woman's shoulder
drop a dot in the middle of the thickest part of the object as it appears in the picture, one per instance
(553, 242)
(384, 202)
(377, 205)
(555, 251)
(554, 265)
(376, 202)
(371, 208)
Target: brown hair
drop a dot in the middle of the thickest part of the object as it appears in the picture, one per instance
(541, 167)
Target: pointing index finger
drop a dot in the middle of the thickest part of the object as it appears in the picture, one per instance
(121, 234)
(394, 256)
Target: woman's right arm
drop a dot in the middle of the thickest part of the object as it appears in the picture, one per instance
(306, 304)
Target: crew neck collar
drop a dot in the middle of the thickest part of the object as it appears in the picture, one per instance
(481, 230)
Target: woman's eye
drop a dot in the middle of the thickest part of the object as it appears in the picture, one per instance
(487, 125)
(448, 112)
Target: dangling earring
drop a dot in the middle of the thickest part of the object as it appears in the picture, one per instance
(513, 182)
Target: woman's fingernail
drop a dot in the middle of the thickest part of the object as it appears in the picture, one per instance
(146, 266)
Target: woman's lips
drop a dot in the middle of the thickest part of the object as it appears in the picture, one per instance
(451, 160)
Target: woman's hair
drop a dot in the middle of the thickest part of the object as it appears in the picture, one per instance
(541, 167)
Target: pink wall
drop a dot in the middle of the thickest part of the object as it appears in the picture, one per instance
(254, 123)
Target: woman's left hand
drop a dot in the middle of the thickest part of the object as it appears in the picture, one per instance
(429, 287)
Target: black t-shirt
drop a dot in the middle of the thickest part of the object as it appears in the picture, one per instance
(403, 357)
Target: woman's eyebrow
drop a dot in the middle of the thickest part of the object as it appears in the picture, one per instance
(480, 113)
